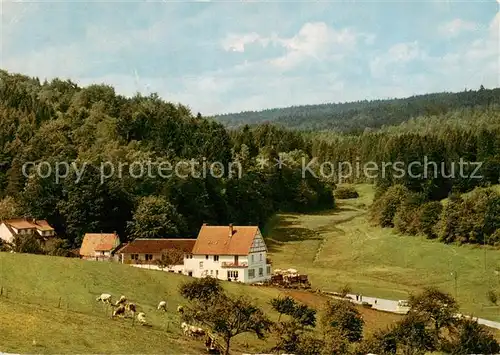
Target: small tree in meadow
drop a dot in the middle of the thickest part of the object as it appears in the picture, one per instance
(345, 318)
(224, 315)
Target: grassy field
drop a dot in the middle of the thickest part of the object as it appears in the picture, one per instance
(340, 247)
(47, 305)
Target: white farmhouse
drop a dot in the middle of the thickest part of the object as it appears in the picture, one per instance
(234, 253)
(11, 228)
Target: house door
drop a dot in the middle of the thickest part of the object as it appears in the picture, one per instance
(236, 260)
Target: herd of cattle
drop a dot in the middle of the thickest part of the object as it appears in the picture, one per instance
(123, 306)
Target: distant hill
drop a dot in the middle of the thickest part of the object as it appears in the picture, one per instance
(356, 116)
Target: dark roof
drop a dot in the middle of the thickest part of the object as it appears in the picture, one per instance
(154, 246)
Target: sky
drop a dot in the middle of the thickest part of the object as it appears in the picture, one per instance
(219, 57)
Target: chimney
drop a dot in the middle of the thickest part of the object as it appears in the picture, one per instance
(230, 230)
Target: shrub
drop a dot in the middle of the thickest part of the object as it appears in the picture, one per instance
(346, 193)
(428, 217)
(492, 297)
(343, 317)
(345, 290)
(473, 338)
(384, 209)
(472, 219)
(406, 219)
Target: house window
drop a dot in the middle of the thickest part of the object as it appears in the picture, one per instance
(206, 257)
(251, 273)
(232, 274)
(216, 257)
(201, 264)
(211, 272)
(216, 273)
(253, 259)
(261, 272)
(134, 256)
(189, 256)
(260, 257)
(268, 270)
(148, 257)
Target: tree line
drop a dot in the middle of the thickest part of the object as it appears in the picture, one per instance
(356, 117)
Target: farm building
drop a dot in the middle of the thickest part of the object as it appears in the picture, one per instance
(41, 229)
(235, 253)
(149, 253)
(99, 246)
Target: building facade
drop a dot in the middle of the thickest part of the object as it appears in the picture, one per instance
(233, 253)
(99, 246)
(11, 228)
(155, 254)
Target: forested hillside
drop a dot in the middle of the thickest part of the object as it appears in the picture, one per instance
(57, 122)
(357, 116)
(110, 143)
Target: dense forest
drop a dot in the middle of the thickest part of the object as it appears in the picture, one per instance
(355, 117)
(440, 157)
(44, 125)
(93, 127)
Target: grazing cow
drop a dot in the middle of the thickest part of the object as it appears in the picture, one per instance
(104, 298)
(191, 330)
(120, 311)
(185, 328)
(130, 307)
(196, 331)
(180, 309)
(122, 300)
(141, 317)
(162, 306)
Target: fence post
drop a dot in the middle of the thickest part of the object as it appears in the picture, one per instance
(1, 291)
(59, 304)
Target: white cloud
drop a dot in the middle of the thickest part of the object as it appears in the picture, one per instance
(315, 40)
(455, 27)
(404, 52)
(237, 42)
(398, 55)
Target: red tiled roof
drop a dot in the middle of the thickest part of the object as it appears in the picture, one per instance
(26, 223)
(104, 247)
(156, 246)
(120, 247)
(93, 240)
(215, 240)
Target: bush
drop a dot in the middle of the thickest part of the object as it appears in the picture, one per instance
(473, 338)
(27, 244)
(346, 193)
(345, 290)
(428, 218)
(406, 219)
(472, 219)
(492, 297)
(342, 316)
(380, 342)
(384, 209)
